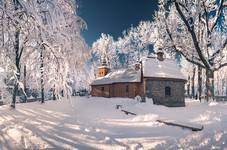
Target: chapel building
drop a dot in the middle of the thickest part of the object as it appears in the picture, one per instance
(158, 78)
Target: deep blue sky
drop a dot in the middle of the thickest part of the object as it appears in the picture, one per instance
(113, 16)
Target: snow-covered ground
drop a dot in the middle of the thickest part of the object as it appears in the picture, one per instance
(95, 123)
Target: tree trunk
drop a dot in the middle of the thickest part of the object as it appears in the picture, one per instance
(42, 59)
(188, 86)
(143, 94)
(42, 76)
(199, 83)
(209, 84)
(225, 86)
(15, 91)
(54, 93)
(17, 59)
(226, 90)
(193, 83)
(17, 63)
(25, 84)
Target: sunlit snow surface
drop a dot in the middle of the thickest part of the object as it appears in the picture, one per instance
(95, 123)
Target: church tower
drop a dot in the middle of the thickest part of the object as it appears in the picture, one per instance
(103, 69)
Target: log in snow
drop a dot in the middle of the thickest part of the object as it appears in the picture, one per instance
(128, 112)
(193, 127)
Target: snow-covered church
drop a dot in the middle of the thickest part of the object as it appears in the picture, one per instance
(158, 78)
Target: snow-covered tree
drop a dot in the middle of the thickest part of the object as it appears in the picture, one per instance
(135, 41)
(196, 30)
(47, 35)
(105, 48)
(220, 82)
(14, 33)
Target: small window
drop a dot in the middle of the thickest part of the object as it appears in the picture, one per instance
(126, 88)
(102, 89)
(167, 91)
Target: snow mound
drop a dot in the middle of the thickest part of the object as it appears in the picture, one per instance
(213, 103)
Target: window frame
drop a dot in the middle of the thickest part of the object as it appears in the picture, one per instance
(167, 91)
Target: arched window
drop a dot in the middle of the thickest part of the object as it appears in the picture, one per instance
(167, 91)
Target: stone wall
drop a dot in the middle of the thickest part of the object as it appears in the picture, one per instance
(156, 89)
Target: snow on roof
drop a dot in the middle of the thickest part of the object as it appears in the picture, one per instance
(103, 67)
(161, 69)
(119, 76)
(152, 67)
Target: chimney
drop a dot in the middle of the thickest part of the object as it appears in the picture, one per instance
(137, 66)
(160, 54)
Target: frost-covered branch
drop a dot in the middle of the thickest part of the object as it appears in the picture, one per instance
(218, 14)
(193, 35)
